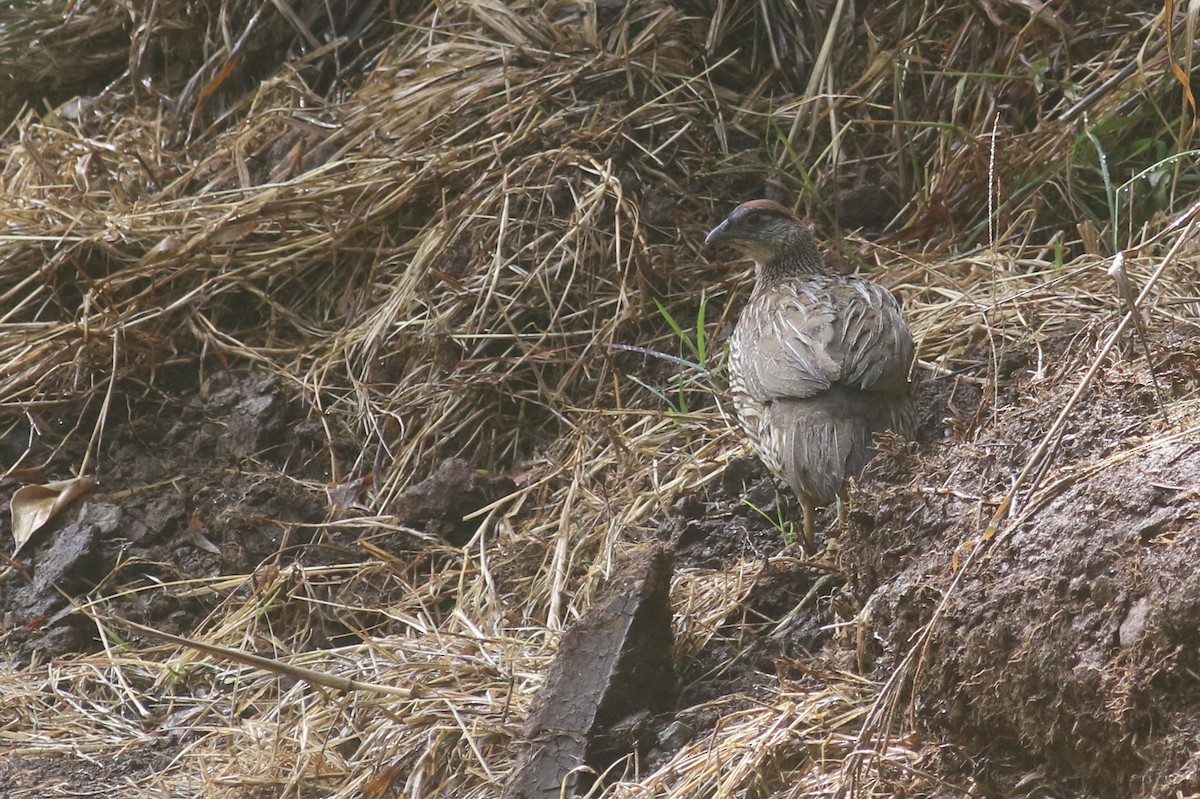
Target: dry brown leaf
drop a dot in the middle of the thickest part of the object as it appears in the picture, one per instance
(33, 506)
(350, 494)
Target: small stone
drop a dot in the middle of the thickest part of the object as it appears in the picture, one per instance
(107, 518)
(1135, 623)
(674, 736)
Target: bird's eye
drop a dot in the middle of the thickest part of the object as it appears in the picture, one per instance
(754, 221)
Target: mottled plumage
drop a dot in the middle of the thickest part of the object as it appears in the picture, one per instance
(818, 361)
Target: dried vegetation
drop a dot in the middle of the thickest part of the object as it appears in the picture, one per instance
(444, 227)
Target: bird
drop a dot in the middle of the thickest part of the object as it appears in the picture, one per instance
(819, 362)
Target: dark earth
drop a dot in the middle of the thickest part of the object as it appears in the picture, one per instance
(1070, 651)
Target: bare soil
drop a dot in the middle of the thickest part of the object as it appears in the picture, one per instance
(222, 476)
(1070, 650)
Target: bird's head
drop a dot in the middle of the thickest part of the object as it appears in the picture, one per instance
(770, 235)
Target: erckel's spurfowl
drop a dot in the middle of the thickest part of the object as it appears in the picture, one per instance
(818, 361)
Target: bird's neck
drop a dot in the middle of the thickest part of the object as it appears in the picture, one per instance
(798, 256)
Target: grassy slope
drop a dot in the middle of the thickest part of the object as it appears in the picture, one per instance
(446, 232)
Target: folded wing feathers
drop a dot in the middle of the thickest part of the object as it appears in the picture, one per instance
(849, 332)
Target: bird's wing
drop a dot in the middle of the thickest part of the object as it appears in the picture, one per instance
(871, 337)
(811, 334)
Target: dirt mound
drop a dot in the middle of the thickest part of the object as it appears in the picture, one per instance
(1073, 642)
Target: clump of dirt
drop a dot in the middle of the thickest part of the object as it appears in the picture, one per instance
(611, 675)
(1072, 646)
(439, 502)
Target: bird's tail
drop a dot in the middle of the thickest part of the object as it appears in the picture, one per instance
(831, 436)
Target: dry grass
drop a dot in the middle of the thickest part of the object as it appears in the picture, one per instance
(438, 233)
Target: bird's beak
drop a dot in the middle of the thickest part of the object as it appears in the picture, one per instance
(715, 236)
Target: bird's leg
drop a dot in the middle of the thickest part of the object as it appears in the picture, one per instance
(810, 539)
